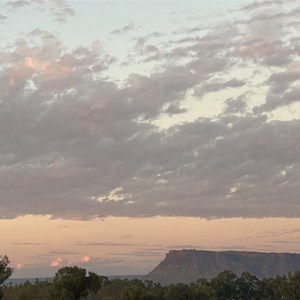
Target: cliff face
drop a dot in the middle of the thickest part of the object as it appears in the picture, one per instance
(189, 265)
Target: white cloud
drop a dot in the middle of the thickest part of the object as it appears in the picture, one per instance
(114, 195)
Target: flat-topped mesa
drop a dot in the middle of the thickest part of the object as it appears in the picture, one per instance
(189, 265)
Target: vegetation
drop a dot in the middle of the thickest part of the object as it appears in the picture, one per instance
(5, 271)
(73, 283)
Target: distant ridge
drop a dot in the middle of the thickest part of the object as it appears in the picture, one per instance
(18, 281)
(186, 266)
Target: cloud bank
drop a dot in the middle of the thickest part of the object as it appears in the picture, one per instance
(77, 144)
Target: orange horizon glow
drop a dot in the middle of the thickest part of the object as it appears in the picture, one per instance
(140, 242)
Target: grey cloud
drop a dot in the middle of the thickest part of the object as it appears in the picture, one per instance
(274, 101)
(74, 144)
(3, 18)
(60, 10)
(46, 116)
(281, 92)
(124, 29)
(149, 94)
(151, 48)
(267, 35)
(271, 52)
(280, 10)
(208, 47)
(237, 105)
(281, 81)
(277, 60)
(109, 261)
(63, 252)
(215, 86)
(48, 255)
(247, 166)
(143, 253)
(142, 45)
(185, 246)
(17, 4)
(262, 4)
(173, 110)
(284, 242)
(198, 164)
(106, 244)
(28, 244)
(268, 5)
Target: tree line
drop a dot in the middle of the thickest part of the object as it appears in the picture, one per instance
(74, 283)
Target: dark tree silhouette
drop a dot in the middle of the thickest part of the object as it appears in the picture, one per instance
(5, 271)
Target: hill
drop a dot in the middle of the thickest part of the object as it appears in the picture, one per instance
(186, 266)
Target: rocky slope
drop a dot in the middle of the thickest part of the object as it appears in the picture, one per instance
(189, 265)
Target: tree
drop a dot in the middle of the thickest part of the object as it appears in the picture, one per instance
(179, 291)
(249, 286)
(5, 271)
(293, 289)
(201, 289)
(225, 285)
(71, 283)
(95, 282)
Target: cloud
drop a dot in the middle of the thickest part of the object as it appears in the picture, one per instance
(142, 253)
(85, 259)
(60, 10)
(130, 26)
(217, 85)
(29, 244)
(56, 263)
(265, 4)
(114, 195)
(62, 252)
(3, 18)
(236, 105)
(262, 4)
(76, 143)
(60, 262)
(17, 4)
(174, 109)
(283, 88)
(106, 244)
(19, 266)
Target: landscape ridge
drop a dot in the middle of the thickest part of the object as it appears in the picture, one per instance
(188, 265)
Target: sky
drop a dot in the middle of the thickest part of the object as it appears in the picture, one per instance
(128, 129)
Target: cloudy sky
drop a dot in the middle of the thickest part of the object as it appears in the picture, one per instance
(131, 128)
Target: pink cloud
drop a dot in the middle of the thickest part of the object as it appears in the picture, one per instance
(19, 266)
(57, 262)
(85, 259)
(46, 68)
